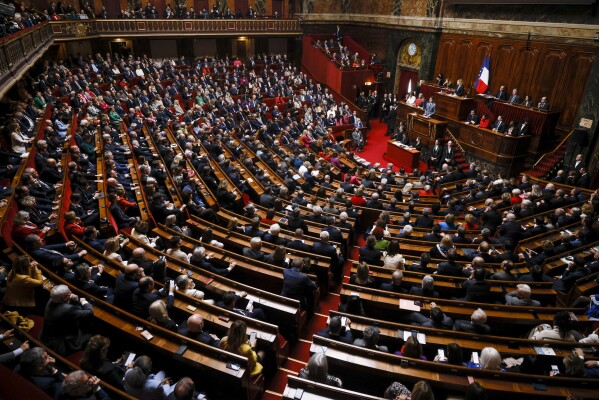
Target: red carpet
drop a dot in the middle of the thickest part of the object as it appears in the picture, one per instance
(376, 146)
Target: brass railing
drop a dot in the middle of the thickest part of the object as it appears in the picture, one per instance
(69, 29)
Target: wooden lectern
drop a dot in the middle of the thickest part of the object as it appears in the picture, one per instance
(453, 107)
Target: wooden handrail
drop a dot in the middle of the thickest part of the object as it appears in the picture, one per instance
(554, 150)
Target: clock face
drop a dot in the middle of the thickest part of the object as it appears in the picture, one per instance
(412, 49)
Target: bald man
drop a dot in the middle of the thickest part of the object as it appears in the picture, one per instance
(193, 328)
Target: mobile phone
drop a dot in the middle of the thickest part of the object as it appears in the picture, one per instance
(252, 336)
(555, 370)
(130, 358)
(233, 366)
(146, 335)
(441, 353)
(475, 359)
(181, 349)
(189, 273)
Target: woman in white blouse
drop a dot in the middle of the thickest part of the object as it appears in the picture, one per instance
(392, 258)
(18, 140)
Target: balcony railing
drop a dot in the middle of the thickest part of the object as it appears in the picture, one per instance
(69, 29)
(21, 49)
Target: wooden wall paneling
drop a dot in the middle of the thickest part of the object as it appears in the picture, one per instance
(445, 59)
(463, 52)
(199, 5)
(526, 60)
(574, 83)
(503, 66)
(549, 77)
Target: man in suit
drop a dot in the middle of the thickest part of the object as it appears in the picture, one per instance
(323, 248)
(38, 367)
(514, 98)
(396, 284)
(499, 125)
(64, 317)
(524, 127)
(427, 288)
(460, 90)
(51, 254)
(337, 331)
(450, 267)
(577, 164)
(193, 328)
(448, 154)
(477, 288)
(436, 152)
(585, 180)
(472, 118)
(79, 385)
(543, 104)
(298, 242)
(436, 320)
(521, 297)
(297, 285)
(501, 95)
(125, 284)
(144, 296)
(254, 251)
(430, 108)
(425, 220)
(477, 323)
(510, 230)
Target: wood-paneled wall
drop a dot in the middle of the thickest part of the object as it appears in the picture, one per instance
(537, 69)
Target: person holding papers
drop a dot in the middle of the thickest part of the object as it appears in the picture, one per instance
(430, 108)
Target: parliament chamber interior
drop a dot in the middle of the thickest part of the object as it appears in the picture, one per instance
(299, 199)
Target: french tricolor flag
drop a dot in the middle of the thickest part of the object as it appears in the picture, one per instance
(482, 83)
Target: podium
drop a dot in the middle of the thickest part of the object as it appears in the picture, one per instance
(428, 129)
(453, 107)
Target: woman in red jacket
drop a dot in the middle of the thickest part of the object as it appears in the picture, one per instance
(73, 225)
(22, 228)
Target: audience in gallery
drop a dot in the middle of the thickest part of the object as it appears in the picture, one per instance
(256, 127)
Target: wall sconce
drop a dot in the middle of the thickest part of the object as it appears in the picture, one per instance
(367, 83)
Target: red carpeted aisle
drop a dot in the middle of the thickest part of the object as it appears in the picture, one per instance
(376, 146)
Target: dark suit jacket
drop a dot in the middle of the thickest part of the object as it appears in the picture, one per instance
(450, 268)
(372, 257)
(123, 291)
(61, 325)
(345, 336)
(254, 254)
(425, 221)
(327, 250)
(466, 326)
(203, 336)
(477, 290)
(298, 245)
(296, 284)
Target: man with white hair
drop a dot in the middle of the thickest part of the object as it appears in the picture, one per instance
(427, 288)
(273, 235)
(63, 317)
(79, 385)
(477, 323)
(254, 251)
(510, 229)
(324, 248)
(374, 202)
(521, 297)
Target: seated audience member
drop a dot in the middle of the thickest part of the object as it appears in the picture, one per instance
(411, 348)
(11, 356)
(370, 339)
(336, 331)
(559, 331)
(477, 323)
(254, 251)
(158, 312)
(184, 390)
(229, 301)
(37, 366)
(297, 285)
(79, 385)
(369, 254)
(140, 382)
(362, 276)
(21, 282)
(392, 257)
(397, 391)
(317, 370)
(489, 359)
(95, 361)
(396, 285)
(237, 342)
(64, 317)
(426, 289)
(453, 355)
(521, 297)
(437, 319)
(193, 328)
(477, 288)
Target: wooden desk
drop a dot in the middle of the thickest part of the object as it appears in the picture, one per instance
(500, 149)
(428, 129)
(401, 156)
(453, 107)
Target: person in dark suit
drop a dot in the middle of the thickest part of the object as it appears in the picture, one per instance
(298, 243)
(477, 323)
(543, 104)
(229, 302)
(434, 160)
(510, 230)
(460, 90)
(577, 164)
(254, 251)
(499, 125)
(125, 285)
(504, 274)
(501, 95)
(193, 328)
(37, 366)
(64, 317)
(425, 220)
(337, 331)
(472, 118)
(574, 271)
(323, 248)
(477, 288)
(426, 288)
(143, 296)
(120, 217)
(450, 267)
(448, 154)
(585, 180)
(297, 285)
(396, 284)
(514, 98)
(523, 127)
(436, 320)
(52, 254)
(369, 254)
